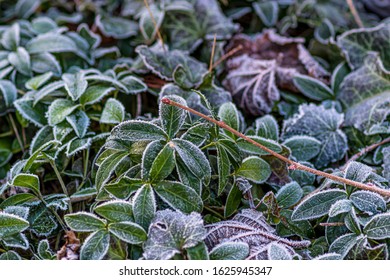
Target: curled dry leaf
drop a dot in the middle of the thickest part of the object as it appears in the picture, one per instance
(70, 250)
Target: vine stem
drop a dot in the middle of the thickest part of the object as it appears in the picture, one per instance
(355, 13)
(293, 164)
(62, 185)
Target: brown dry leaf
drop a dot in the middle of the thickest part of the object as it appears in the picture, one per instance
(266, 63)
(70, 250)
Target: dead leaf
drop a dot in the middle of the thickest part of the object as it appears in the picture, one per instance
(70, 250)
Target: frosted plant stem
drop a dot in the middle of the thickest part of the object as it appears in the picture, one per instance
(155, 25)
(212, 54)
(355, 14)
(11, 119)
(62, 185)
(293, 164)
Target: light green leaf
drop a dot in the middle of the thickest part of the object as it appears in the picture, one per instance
(94, 94)
(75, 84)
(254, 169)
(378, 227)
(158, 161)
(128, 232)
(11, 37)
(95, 247)
(59, 110)
(303, 148)
(11, 224)
(29, 181)
(116, 210)
(20, 59)
(107, 167)
(172, 117)
(267, 127)
(230, 251)
(223, 164)
(52, 43)
(133, 85)
(228, 113)
(252, 149)
(113, 112)
(36, 82)
(79, 122)
(312, 88)
(144, 206)
(34, 114)
(9, 92)
(84, 222)
(137, 131)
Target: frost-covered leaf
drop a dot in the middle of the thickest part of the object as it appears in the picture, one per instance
(179, 196)
(223, 164)
(94, 94)
(172, 232)
(252, 149)
(39, 80)
(328, 256)
(267, 127)
(18, 240)
(254, 169)
(21, 60)
(317, 205)
(322, 124)
(116, 210)
(368, 202)
(76, 145)
(128, 231)
(29, 181)
(44, 63)
(365, 93)
(44, 250)
(386, 163)
(228, 113)
(9, 94)
(35, 114)
(230, 251)
(198, 252)
(79, 122)
(357, 43)
(84, 222)
(312, 88)
(52, 43)
(352, 222)
(107, 167)
(116, 27)
(339, 207)
(10, 255)
(158, 161)
(144, 206)
(378, 227)
(95, 247)
(59, 110)
(278, 252)
(289, 194)
(47, 90)
(303, 148)
(267, 12)
(11, 224)
(75, 84)
(10, 38)
(113, 112)
(172, 117)
(20, 211)
(344, 244)
(137, 131)
(133, 85)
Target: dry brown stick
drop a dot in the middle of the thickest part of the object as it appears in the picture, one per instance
(293, 164)
(155, 25)
(212, 53)
(355, 13)
(366, 150)
(336, 224)
(226, 55)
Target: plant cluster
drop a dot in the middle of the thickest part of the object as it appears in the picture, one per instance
(194, 129)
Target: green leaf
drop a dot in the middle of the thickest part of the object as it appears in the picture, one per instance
(124, 187)
(17, 199)
(368, 202)
(312, 88)
(44, 250)
(378, 227)
(277, 251)
(223, 168)
(228, 113)
(133, 85)
(107, 167)
(254, 169)
(94, 94)
(193, 157)
(197, 134)
(198, 252)
(20, 59)
(172, 117)
(252, 149)
(34, 114)
(52, 43)
(303, 148)
(289, 194)
(179, 196)
(116, 27)
(75, 84)
(339, 207)
(137, 131)
(79, 122)
(267, 12)
(29, 181)
(344, 244)
(128, 232)
(144, 206)
(76, 145)
(116, 210)
(233, 201)
(317, 205)
(84, 222)
(267, 127)
(59, 110)
(44, 63)
(36, 82)
(11, 37)
(47, 90)
(158, 161)
(230, 251)
(95, 247)
(11, 224)
(9, 93)
(47, 145)
(10, 255)
(113, 112)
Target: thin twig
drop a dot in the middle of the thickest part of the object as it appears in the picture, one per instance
(293, 164)
(212, 53)
(227, 55)
(155, 25)
(365, 150)
(355, 14)
(335, 224)
(13, 124)
(62, 185)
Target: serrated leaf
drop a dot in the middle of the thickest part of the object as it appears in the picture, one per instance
(95, 247)
(312, 88)
(172, 117)
(289, 194)
(94, 94)
(368, 202)
(11, 224)
(317, 205)
(113, 112)
(84, 222)
(170, 232)
(29, 181)
(303, 148)
(254, 169)
(230, 251)
(137, 131)
(128, 232)
(144, 206)
(107, 167)
(116, 210)
(378, 227)
(75, 84)
(59, 110)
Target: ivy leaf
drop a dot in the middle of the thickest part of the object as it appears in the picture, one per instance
(179, 196)
(144, 206)
(95, 247)
(230, 251)
(29, 181)
(303, 148)
(11, 224)
(317, 205)
(75, 84)
(137, 131)
(172, 117)
(378, 227)
(289, 194)
(113, 112)
(170, 232)
(59, 110)
(358, 43)
(84, 222)
(116, 211)
(254, 169)
(313, 88)
(322, 124)
(128, 232)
